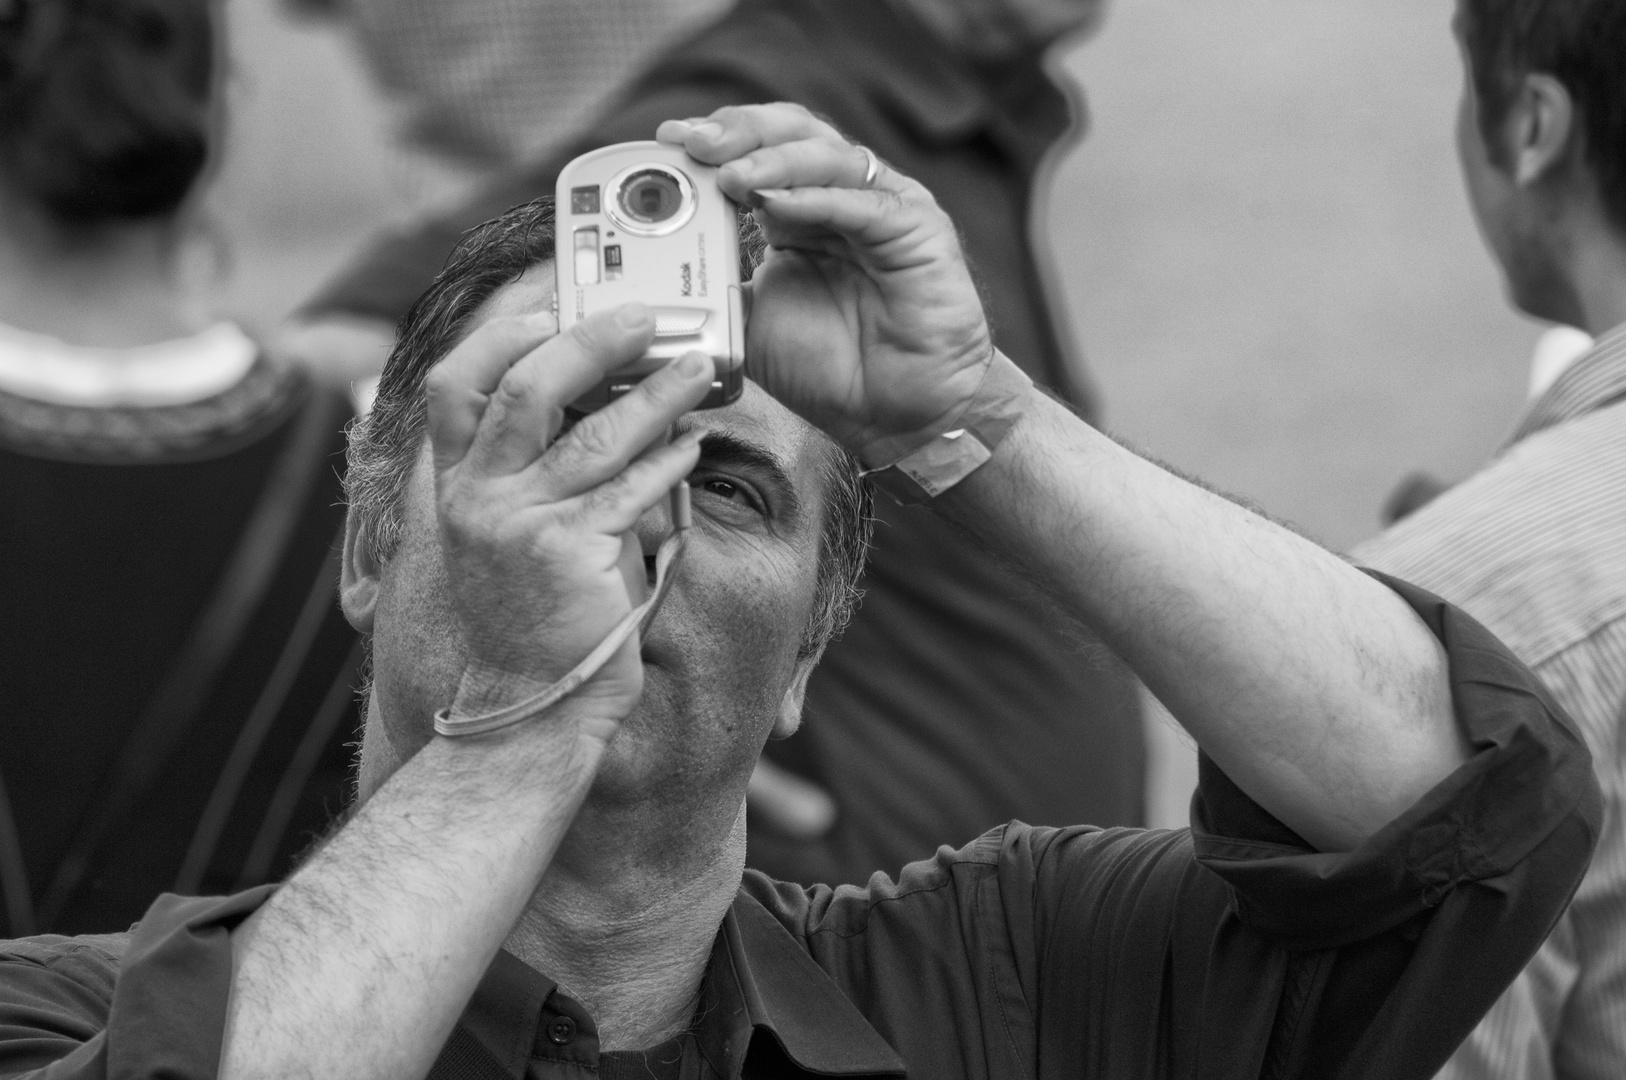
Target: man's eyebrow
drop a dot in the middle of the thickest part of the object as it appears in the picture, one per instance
(719, 448)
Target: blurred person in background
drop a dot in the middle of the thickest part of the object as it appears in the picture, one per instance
(899, 754)
(172, 498)
(1534, 545)
(492, 83)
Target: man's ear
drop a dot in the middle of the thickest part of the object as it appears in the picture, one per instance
(1540, 129)
(358, 577)
(790, 707)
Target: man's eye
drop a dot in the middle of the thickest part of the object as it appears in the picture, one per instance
(727, 490)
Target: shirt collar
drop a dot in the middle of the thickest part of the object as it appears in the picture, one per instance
(782, 992)
(1593, 381)
(759, 983)
(180, 372)
(506, 1008)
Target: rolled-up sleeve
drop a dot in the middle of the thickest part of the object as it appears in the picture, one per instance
(155, 1006)
(1241, 951)
(1524, 812)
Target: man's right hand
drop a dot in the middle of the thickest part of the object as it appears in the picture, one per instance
(535, 526)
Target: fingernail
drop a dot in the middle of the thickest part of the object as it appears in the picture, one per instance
(633, 316)
(691, 364)
(708, 129)
(770, 194)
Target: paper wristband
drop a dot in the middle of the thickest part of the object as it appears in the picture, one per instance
(923, 471)
(637, 619)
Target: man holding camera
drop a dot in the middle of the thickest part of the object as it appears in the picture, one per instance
(1391, 816)
(899, 734)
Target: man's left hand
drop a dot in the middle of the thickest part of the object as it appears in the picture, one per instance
(864, 318)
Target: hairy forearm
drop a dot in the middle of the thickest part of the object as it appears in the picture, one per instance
(1317, 689)
(360, 965)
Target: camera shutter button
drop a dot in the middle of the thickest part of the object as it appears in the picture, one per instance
(673, 322)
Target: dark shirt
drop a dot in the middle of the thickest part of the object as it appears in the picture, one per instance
(1231, 950)
(945, 707)
(119, 529)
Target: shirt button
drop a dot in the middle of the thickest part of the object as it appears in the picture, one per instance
(561, 1030)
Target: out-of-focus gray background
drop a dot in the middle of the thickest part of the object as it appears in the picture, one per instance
(1264, 242)
(1271, 261)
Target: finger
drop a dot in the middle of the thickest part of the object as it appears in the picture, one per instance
(602, 444)
(894, 230)
(782, 235)
(459, 386)
(804, 163)
(615, 506)
(736, 130)
(526, 408)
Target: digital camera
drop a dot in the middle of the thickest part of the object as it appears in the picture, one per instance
(644, 221)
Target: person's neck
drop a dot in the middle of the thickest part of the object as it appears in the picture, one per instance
(1598, 270)
(627, 914)
(115, 288)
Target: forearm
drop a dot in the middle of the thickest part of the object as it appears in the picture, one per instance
(1317, 690)
(360, 965)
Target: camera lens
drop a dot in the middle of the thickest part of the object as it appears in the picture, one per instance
(651, 196)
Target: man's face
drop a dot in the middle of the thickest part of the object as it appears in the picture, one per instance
(721, 655)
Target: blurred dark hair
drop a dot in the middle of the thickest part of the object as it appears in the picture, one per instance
(1582, 44)
(104, 105)
(384, 445)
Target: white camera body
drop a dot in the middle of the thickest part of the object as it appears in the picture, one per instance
(644, 221)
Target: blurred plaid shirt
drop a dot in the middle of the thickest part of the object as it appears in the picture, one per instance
(1534, 546)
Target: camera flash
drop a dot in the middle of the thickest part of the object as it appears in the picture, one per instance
(584, 200)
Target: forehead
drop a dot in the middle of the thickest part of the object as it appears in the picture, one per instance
(755, 418)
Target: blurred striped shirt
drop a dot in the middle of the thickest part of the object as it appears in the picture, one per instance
(1534, 546)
